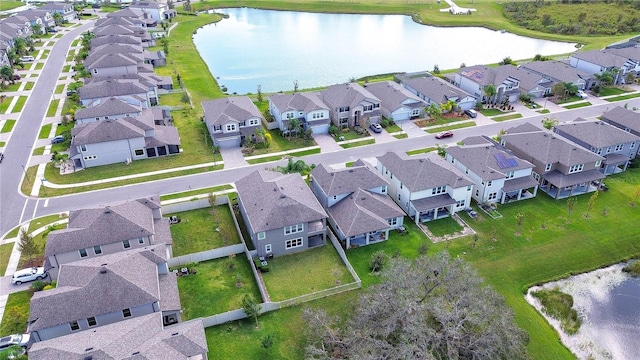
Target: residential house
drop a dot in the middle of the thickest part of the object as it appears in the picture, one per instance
(281, 214)
(103, 89)
(498, 175)
(124, 21)
(142, 336)
(39, 17)
(305, 107)
(434, 90)
(396, 102)
(63, 8)
(475, 80)
(124, 30)
(106, 230)
(600, 61)
(231, 120)
(154, 83)
(529, 82)
(104, 290)
(616, 145)
(624, 119)
(157, 10)
(560, 72)
(356, 200)
(116, 39)
(135, 13)
(562, 168)
(113, 63)
(351, 105)
(111, 108)
(426, 187)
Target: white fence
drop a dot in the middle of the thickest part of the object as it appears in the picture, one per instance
(237, 314)
(206, 255)
(192, 205)
(343, 256)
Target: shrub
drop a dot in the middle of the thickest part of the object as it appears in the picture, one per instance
(559, 306)
(38, 285)
(378, 260)
(333, 130)
(633, 269)
(384, 122)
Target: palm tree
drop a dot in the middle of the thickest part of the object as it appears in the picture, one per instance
(432, 110)
(549, 122)
(294, 126)
(570, 89)
(452, 105)
(490, 92)
(6, 74)
(57, 17)
(37, 29)
(20, 46)
(606, 78)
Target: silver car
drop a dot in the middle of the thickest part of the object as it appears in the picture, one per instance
(30, 274)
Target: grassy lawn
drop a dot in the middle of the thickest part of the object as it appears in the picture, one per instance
(201, 230)
(19, 104)
(492, 112)
(191, 193)
(444, 226)
(543, 111)
(75, 42)
(610, 90)
(451, 127)
(348, 134)
(13, 232)
(12, 87)
(70, 55)
(328, 271)
(8, 5)
(59, 89)
(573, 98)
(8, 126)
(45, 130)
(2, 143)
(173, 99)
(38, 151)
(393, 128)
(623, 97)
(40, 240)
(53, 107)
(4, 105)
(44, 221)
(45, 54)
(29, 85)
(5, 254)
(66, 68)
(577, 105)
(218, 286)
(421, 151)
(39, 66)
(358, 143)
(282, 143)
(265, 159)
(16, 313)
(401, 136)
(507, 117)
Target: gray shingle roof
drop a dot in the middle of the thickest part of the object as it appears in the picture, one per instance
(363, 212)
(96, 286)
(631, 53)
(273, 200)
(111, 87)
(527, 79)
(121, 30)
(604, 58)
(117, 48)
(118, 21)
(624, 118)
(349, 94)
(100, 226)
(436, 89)
(484, 75)
(394, 96)
(424, 172)
(481, 159)
(104, 131)
(302, 101)
(595, 133)
(115, 39)
(112, 60)
(557, 70)
(128, 12)
(345, 181)
(109, 107)
(164, 135)
(236, 109)
(144, 335)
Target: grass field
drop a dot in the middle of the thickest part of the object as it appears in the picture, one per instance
(202, 230)
(8, 5)
(507, 117)
(45, 130)
(358, 143)
(19, 104)
(16, 313)
(450, 127)
(623, 97)
(53, 107)
(5, 254)
(577, 105)
(8, 126)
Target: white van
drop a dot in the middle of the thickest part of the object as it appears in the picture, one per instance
(27, 58)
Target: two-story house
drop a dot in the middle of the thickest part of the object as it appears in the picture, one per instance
(600, 61)
(475, 80)
(434, 90)
(116, 39)
(498, 175)
(426, 187)
(135, 13)
(617, 146)
(561, 167)
(356, 200)
(351, 105)
(131, 91)
(305, 107)
(63, 8)
(231, 120)
(157, 10)
(104, 290)
(105, 230)
(281, 214)
(560, 72)
(624, 119)
(396, 102)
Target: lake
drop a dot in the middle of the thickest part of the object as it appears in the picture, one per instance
(608, 302)
(276, 48)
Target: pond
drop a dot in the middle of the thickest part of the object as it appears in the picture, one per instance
(608, 302)
(274, 49)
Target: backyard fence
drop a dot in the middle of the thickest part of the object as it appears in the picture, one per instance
(193, 205)
(206, 255)
(320, 294)
(343, 256)
(237, 314)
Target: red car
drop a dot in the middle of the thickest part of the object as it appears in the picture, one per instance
(444, 134)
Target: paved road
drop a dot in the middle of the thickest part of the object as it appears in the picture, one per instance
(25, 132)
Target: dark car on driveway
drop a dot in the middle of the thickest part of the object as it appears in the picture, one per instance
(444, 134)
(377, 128)
(58, 139)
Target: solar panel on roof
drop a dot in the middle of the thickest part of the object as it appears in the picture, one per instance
(504, 162)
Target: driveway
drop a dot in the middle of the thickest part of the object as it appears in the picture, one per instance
(233, 157)
(8, 288)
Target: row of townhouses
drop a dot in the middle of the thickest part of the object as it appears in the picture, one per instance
(115, 296)
(363, 202)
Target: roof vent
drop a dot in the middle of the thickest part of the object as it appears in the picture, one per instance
(350, 170)
(135, 353)
(105, 264)
(103, 270)
(282, 196)
(275, 189)
(88, 349)
(174, 334)
(107, 210)
(88, 358)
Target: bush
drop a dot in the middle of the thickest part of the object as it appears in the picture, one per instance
(384, 123)
(38, 285)
(633, 269)
(378, 260)
(559, 306)
(333, 130)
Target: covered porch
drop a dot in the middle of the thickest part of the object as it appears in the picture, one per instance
(518, 189)
(432, 208)
(614, 164)
(366, 238)
(559, 185)
(316, 231)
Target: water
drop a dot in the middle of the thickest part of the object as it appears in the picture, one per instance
(608, 302)
(276, 48)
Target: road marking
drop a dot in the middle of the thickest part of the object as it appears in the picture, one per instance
(46, 203)
(35, 208)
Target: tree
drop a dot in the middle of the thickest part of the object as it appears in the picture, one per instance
(490, 92)
(27, 245)
(6, 74)
(213, 202)
(558, 90)
(294, 127)
(165, 45)
(377, 261)
(185, 97)
(187, 6)
(37, 29)
(570, 89)
(295, 86)
(433, 110)
(436, 69)
(436, 307)
(606, 78)
(549, 122)
(571, 203)
(57, 17)
(267, 342)
(251, 307)
(259, 93)
(592, 201)
(519, 221)
(507, 61)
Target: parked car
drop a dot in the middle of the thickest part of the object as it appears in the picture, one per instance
(70, 92)
(471, 113)
(377, 128)
(27, 58)
(444, 134)
(58, 139)
(581, 94)
(16, 77)
(30, 274)
(52, 30)
(13, 345)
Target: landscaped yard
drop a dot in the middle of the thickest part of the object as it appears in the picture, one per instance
(438, 129)
(305, 272)
(8, 126)
(492, 112)
(443, 227)
(19, 104)
(358, 143)
(218, 286)
(202, 230)
(16, 313)
(577, 105)
(40, 241)
(623, 97)
(5, 254)
(611, 90)
(45, 130)
(421, 151)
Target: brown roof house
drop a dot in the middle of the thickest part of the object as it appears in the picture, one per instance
(562, 167)
(231, 120)
(360, 211)
(281, 214)
(106, 230)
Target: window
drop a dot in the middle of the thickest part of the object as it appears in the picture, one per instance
(633, 144)
(469, 188)
(460, 203)
(535, 175)
(126, 312)
(599, 152)
(254, 122)
(217, 127)
(399, 198)
(367, 107)
(392, 221)
(510, 174)
(261, 235)
(344, 108)
(267, 248)
(97, 250)
(477, 192)
(289, 115)
(242, 124)
(576, 168)
(619, 147)
(608, 149)
(547, 167)
(400, 185)
(74, 326)
(83, 147)
(383, 189)
(138, 152)
(293, 243)
(492, 196)
(92, 321)
(288, 230)
(126, 244)
(230, 127)
(438, 190)
(598, 163)
(415, 112)
(489, 183)
(83, 252)
(140, 240)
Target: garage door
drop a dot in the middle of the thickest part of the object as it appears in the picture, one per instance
(228, 142)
